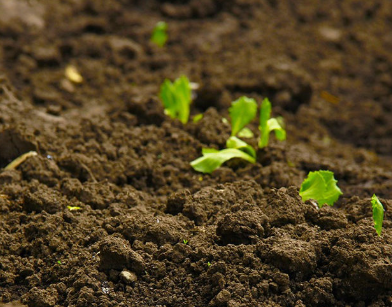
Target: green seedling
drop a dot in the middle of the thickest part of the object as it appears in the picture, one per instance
(245, 133)
(208, 264)
(378, 214)
(320, 186)
(159, 34)
(267, 125)
(176, 98)
(197, 117)
(213, 158)
(242, 111)
(19, 160)
(59, 262)
(73, 208)
(236, 143)
(185, 241)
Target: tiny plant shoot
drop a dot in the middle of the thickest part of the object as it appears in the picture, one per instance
(378, 214)
(197, 118)
(245, 133)
(159, 34)
(73, 208)
(176, 98)
(213, 159)
(268, 125)
(242, 111)
(320, 186)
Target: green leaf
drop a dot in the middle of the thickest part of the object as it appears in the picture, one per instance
(268, 124)
(197, 117)
(236, 143)
(320, 186)
(176, 98)
(213, 159)
(159, 34)
(246, 133)
(378, 214)
(73, 208)
(242, 111)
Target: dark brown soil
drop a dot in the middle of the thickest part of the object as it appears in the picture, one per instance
(106, 146)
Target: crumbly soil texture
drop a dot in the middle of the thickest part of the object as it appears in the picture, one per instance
(151, 231)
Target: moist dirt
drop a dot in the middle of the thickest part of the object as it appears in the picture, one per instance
(150, 230)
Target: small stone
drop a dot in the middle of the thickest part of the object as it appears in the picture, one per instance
(128, 277)
(330, 34)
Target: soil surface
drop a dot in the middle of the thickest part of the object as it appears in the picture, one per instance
(150, 230)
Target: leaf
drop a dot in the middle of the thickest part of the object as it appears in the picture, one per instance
(234, 142)
(265, 113)
(378, 214)
(197, 117)
(268, 124)
(245, 133)
(159, 34)
(225, 121)
(273, 125)
(176, 98)
(73, 208)
(320, 186)
(213, 159)
(242, 111)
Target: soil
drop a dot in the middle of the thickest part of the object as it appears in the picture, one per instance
(153, 232)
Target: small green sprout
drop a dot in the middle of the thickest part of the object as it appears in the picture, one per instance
(268, 124)
(176, 98)
(159, 34)
(242, 111)
(73, 208)
(59, 262)
(185, 241)
(236, 143)
(320, 186)
(378, 214)
(225, 121)
(245, 133)
(197, 117)
(208, 264)
(213, 159)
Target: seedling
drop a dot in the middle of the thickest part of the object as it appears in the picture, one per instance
(245, 133)
(267, 125)
(19, 160)
(185, 241)
(197, 117)
(73, 208)
(225, 121)
(242, 111)
(320, 186)
(159, 34)
(208, 264)
(59, 262)
(213, 159)
(176, 98)
(378, 214)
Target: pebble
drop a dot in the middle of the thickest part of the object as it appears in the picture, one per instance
(128, 277)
